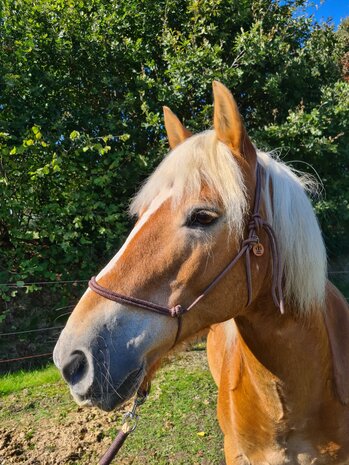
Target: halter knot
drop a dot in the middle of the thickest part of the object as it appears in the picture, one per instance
(256, 222)
(249, 241)
(176, 311)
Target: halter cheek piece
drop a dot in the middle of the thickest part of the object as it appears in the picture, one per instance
(255, 224)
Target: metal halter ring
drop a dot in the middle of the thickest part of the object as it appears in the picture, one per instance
(130, 421)
(131, 415)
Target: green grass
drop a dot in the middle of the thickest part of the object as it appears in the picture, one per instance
(37, 408)
(20, 380)
(182, 404)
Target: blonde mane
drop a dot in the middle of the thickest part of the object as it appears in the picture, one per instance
(202, 159)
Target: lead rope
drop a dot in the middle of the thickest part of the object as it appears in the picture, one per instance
(129, 424)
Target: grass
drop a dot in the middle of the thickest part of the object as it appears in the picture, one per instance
(182, 418)
(14, 382)
(177, 424)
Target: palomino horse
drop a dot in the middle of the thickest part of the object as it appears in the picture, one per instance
(229, 224)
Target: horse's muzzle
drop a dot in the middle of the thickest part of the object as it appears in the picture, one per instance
(96, 374)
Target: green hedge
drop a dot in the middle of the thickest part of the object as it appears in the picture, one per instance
(82, 84)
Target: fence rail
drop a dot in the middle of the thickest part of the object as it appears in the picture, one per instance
(51, 328)
(43, 283)
(37, 330)
(11, 360)
(79, 281)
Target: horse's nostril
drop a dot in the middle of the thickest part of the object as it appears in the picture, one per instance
(75, 370)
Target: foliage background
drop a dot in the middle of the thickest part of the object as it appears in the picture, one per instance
(82, 84)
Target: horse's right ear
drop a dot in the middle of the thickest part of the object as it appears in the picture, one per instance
(229, 126)
(176, 132)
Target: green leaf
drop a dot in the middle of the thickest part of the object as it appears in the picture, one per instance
(74, 135)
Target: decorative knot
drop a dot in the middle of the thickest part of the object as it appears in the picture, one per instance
(250, 241)
(256, 222)
(176, 311)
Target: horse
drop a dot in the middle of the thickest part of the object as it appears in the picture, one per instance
(226, 243)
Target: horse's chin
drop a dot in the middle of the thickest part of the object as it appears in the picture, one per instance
(115, 396)
(110, 402)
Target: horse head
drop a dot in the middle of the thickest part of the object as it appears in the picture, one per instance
(192, 216)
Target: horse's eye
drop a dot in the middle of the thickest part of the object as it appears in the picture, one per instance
(201, 218)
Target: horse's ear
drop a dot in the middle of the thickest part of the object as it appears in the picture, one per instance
(229, 126)
(176, 132)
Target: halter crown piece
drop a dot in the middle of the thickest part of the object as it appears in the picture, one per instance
(255, 224)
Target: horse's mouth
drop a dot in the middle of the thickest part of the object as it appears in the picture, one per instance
(110, 397)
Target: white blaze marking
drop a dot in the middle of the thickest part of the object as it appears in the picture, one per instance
(154, 206)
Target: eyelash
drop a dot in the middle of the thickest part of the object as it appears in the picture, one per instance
(194, 219)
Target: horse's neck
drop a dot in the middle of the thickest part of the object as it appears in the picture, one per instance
(291, 353)
(277, 401)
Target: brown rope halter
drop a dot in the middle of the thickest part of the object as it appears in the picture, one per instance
(255, 224)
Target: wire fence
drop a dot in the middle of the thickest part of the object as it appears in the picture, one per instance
(32, 356)
(18, 359)
(23, 285)
(20, 284)
(52, 328)
(28, 331)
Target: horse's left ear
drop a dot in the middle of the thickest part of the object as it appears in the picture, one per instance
(176, 132)
(229, 126)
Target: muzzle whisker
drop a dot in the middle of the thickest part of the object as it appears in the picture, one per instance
(107, 378)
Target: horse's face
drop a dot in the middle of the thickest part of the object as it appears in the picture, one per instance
(174, 251)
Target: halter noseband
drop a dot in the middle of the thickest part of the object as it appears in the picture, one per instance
(255, 224)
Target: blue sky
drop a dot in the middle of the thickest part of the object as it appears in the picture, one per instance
(336, 9)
